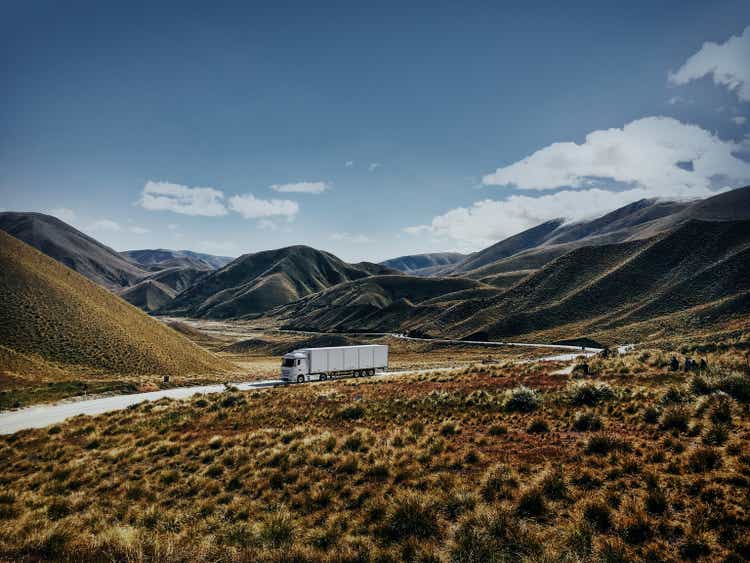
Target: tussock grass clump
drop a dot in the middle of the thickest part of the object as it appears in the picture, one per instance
(587, 422)
(411, 515)
(494, 535)
(522, 399)
(499, 482)
(602, 444)
(704, 459)
(538, 426)
(675, 418)
(589, 393)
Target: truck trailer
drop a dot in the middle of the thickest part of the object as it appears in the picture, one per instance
(319, 364)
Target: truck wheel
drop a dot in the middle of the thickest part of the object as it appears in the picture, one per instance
(300, 379)
(357, 373)
(370, 372)
(323, 377)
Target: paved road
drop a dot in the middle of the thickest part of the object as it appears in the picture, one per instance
(40, 416)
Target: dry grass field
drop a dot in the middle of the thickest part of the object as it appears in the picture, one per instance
(491, 462)
(59, 330)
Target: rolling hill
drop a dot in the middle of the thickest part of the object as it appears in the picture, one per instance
(149, 295)
(160, 259)
(605, 288)
(70, 247)
(255, 283)
(423, 264)
(378, 303)
(53, 316)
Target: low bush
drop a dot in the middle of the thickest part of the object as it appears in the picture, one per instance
(587, 422)
(602, 444)
(499, 482)
(411, 516)
(704, 459)
(675, 418)
(522, 399)
(538, 426)
(589, 393)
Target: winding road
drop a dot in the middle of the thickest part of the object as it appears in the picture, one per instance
(40, 416)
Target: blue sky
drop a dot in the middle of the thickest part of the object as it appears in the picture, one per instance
(369, 129)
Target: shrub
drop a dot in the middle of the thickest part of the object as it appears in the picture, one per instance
(587, 421)
(498, 482)
(700, 385)
(493, 536)
(675, 418)
(409, 516)
(553, 483)
(721, 408)
(716, 435)
(498, 430)
(673, 396)
(736, 385)
(602, 444)
(531, 503)
(589, 393)
(704, 459)
(651, 415)
(351, 413)
(635, 527)
(538, 426)
(277, 530)
(522, 399)
(598, 514)
(656, 501)
(448, 429)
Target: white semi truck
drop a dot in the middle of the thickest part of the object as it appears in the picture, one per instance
(319, 364)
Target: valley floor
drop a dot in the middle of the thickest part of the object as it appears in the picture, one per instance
(489, 462)
(255, 352)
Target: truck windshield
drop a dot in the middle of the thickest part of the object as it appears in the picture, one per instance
(287, 363)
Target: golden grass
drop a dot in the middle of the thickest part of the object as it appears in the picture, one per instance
(430, 468)
(55, 321)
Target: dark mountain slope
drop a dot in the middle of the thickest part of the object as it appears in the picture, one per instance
(160, 258)
(255, 283)
(148, 295)
(51, 314)
(378, 303)
(601, 287)
(423, 264)
(67, 245)
(178, 278)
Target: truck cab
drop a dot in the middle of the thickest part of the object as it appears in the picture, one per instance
(294, 367)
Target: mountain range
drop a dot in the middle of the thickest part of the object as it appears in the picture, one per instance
(633, 272)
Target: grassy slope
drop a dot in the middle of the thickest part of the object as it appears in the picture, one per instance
(255, 283)
(54, 314)
(377, 303)
(73, 248)
(607, 287)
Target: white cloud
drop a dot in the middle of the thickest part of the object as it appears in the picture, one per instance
(166, 196)
(739, 119)
(728, 64)
(173, 226)
(302, 187)
(251, 207)
(138, 230)
(650, 157)
(349, 237)
(62, 213)
(651, 153)
(349, 163)
(103, 225)
(373, 166)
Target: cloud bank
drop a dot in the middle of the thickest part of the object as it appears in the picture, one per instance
(727, 63)
(649, 157)
(209, 202)
(251, 207)
(166, 196)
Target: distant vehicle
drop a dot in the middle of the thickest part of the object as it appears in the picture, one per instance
(319, 364)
